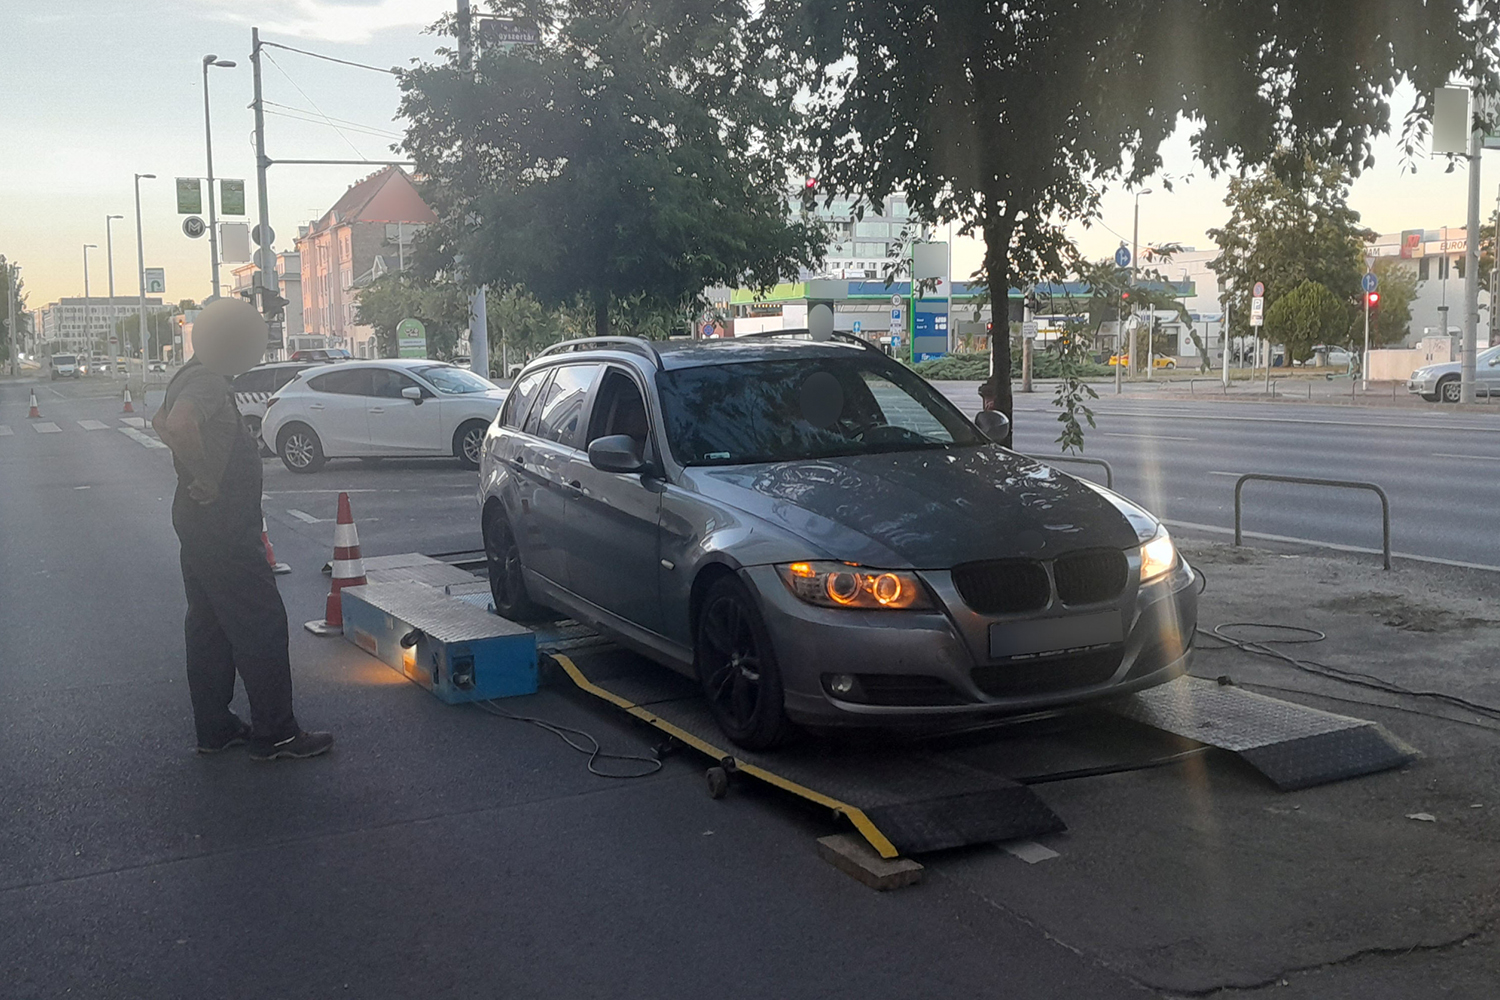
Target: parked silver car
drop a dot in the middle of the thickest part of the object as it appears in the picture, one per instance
(1441, 381)
(819, 537)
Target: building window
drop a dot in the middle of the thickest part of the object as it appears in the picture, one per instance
(872, 229)
(1424, 269)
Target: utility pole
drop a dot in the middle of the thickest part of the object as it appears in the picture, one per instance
(140, 258)
(112, 334)
(265, 256)
(479, 337)
(87, 318)
(10, 291)
(208, 146)
(1471, 267)
(1135, 240)
(1494, 325)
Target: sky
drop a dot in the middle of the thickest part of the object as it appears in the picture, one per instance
(94, 91)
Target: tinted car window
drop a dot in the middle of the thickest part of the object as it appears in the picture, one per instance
(253, 381)
(346, 381)
(519, 400)
(619, 408)
(388, 384)
(453, 380)
(775, 411)
(562, 408)
(281, 376)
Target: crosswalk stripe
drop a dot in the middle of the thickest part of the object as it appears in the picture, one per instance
(93, 425)
(133, 421)
(141, 437)
(5, 431)
(47, 427)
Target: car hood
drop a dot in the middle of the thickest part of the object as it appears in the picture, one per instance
(926, 509)
(1442, 368)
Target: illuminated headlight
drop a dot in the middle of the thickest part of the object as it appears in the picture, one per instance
(839, 585)
(1158, 556)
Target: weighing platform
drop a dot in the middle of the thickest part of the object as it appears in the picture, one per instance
(908, 795)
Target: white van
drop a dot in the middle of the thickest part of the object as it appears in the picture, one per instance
(64, 366)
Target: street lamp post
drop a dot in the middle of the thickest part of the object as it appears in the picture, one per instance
(10, 308)
(208, 146)
(140, 261)
(87, 319)
(112, 334)
(1135, 238)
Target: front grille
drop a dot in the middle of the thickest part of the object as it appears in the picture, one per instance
(1090, 576)
(907, 689)
(1003, 586)
(1058, 673)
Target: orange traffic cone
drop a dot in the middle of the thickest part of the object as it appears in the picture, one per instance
(128, 408)
(35, 414)
(279, 568)
(348, 571)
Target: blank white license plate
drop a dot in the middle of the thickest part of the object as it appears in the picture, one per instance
(1044, 636)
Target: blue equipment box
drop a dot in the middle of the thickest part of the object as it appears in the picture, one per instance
(455, 650)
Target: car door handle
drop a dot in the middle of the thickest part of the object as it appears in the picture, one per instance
(315, 406)
(377, 409)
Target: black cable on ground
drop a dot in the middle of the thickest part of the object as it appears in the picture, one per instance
(1095, 772)
(565, 733)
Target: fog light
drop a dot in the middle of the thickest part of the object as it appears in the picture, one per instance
(841, 684)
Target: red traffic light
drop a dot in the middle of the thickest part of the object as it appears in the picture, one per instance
(1372, 299)
(812, 183)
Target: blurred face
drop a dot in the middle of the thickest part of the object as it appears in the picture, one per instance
(229, 337)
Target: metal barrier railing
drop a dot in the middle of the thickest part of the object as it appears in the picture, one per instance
(1385, 502)
(1109, 472)
(1216, 381)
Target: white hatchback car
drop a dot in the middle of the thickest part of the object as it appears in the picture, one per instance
(380, 409)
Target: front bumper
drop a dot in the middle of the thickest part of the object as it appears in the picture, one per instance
(811, 642)
(1426, 386)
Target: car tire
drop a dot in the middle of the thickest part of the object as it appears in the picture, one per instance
(468, 442)
(300, 449)
(737, 668)
(502, 557)
(1170, 364)
(1450, 389)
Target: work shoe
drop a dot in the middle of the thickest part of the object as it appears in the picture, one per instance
(302, 745)
(237, 737)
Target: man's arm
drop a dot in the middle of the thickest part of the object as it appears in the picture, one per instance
(181, 429)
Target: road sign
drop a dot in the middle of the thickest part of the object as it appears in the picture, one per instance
(896, 300)
(194, 227)
(255, 236)
(189, 196)
(411, 339)
(156, 281)
(1028, 330)
(856, 326)
(232, 197)
(1259, 290)
(1369, 282)
(1257, 311)
(1122, 257)
(264, 259)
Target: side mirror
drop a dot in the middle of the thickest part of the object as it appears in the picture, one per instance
(993, 424)
(616, 453)
(413, 393)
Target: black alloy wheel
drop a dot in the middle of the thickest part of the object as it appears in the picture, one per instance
(502, 558)
(737, 668)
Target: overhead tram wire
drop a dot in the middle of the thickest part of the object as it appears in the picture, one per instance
(318, 55)
(355, 129)
(324, 119)
(347, 141)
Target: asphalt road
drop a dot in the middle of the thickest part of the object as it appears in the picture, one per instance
(1181, 458)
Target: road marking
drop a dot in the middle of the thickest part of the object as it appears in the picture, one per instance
(5, 431)
(290, 492)
(1216, 530)
(1030, 851)
(303, 515)
(58, 394)
(47, 427)
(1236, 475)
(140, 437)
(93, 425)
(133, 421)
(1149, 437)
(1468, 458)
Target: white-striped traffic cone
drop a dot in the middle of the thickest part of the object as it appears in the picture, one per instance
(35, 414)
(348, 571)
(129, 408)
(279, 568)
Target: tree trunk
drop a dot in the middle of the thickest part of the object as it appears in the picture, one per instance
(997, 233)
(601, 314)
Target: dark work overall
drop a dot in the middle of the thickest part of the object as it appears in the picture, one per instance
(235, 618)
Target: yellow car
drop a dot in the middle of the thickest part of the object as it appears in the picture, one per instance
(1160, 361)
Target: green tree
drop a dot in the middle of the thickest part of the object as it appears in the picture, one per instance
(12, 286)
(441, 305)
(639, 153)
(1007, 117)
(1398, 289)
(1307, 315)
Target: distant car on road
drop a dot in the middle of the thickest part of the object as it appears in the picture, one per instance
(254, 387)
(157, 366)
(464, 362)
(66, 366)
(380, 409)
(1441, 382)
(321, 354)
(819, 537)
(1159, 361)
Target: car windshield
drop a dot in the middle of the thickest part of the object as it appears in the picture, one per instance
(63, 359)
(1490, 357)
(455, 381)
(802, 408)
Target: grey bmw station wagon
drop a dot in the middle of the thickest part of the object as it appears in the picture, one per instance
(819, 538)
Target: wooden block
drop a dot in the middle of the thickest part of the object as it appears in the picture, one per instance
(852, 856)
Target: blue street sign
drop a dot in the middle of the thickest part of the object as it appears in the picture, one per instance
(895, 314)
(1122, 257)
(856, 326)
(1369, 282)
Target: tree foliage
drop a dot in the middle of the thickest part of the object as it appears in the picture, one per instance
(1398, 290)
(1307, 315)
(12, 286)
(636, 156)
(397, 295)
(1008, 117)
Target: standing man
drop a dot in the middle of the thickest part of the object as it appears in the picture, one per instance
(235, 619)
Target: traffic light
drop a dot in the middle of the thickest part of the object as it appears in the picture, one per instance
(810, 195)
(1372, 299)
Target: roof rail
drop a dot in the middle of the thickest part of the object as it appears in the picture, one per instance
(639, 345)
(847, 338)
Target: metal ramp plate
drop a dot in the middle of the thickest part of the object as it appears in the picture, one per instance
(1292, 745)
(902, 802)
